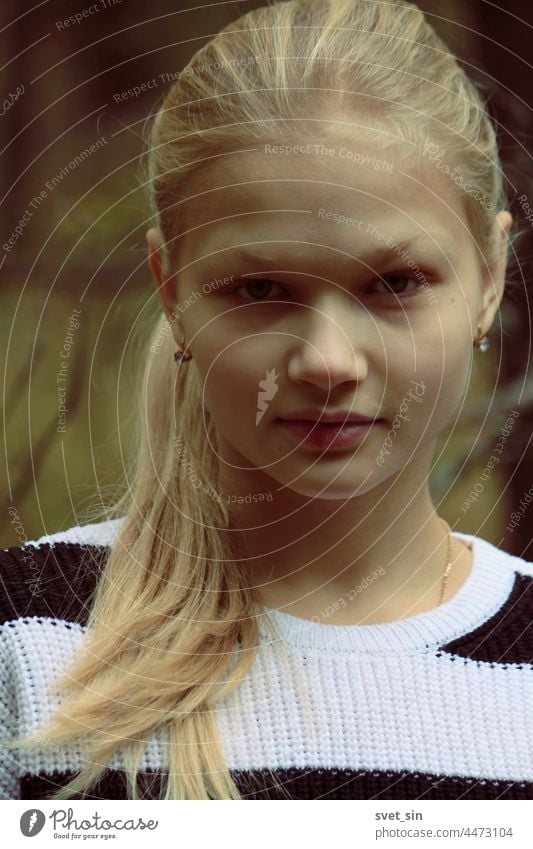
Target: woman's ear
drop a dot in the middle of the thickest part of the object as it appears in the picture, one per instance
(494, 275)
(165, 287)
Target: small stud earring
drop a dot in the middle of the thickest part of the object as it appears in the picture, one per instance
(481, 342)
(181, 355)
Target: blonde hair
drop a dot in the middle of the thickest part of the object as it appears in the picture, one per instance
(173, 626)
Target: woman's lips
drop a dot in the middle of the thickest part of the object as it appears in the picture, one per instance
(335, 435)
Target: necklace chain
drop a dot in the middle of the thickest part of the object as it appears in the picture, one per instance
(448, 566)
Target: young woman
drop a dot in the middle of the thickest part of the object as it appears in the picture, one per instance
(276, 609)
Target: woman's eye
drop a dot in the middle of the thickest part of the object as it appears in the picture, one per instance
(397, 283)
(261, 285)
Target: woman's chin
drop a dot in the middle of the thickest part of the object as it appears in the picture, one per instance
(324, 489)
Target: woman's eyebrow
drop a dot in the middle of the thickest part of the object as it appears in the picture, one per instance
(432, 246)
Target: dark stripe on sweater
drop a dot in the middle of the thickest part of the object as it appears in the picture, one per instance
(317, 783)
(507, 637)
(57, 581)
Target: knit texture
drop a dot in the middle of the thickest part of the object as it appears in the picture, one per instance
(435, 706)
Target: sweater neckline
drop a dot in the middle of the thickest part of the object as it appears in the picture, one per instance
(484, 591)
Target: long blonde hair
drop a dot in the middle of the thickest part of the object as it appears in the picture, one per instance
(173, 626)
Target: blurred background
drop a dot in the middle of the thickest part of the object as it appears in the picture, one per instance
(73, 259)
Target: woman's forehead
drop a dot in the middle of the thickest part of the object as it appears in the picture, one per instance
(286, 204)
(256, 180)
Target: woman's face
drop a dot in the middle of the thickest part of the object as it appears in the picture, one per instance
(316, 281)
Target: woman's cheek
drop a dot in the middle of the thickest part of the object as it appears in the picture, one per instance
(231, 383)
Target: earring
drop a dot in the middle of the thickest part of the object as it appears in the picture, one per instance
(481, 342)
(181, 355)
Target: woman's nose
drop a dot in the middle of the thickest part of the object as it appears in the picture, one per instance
(328, 354)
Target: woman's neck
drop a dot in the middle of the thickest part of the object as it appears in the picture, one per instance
(374, 558)
(365, 603)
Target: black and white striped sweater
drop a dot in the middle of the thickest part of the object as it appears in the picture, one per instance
(435, 706)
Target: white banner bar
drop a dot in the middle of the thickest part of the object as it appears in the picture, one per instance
(314, 824)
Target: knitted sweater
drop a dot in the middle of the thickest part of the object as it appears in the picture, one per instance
(435, 706)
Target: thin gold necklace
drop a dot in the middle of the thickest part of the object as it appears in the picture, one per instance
(448, 568)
